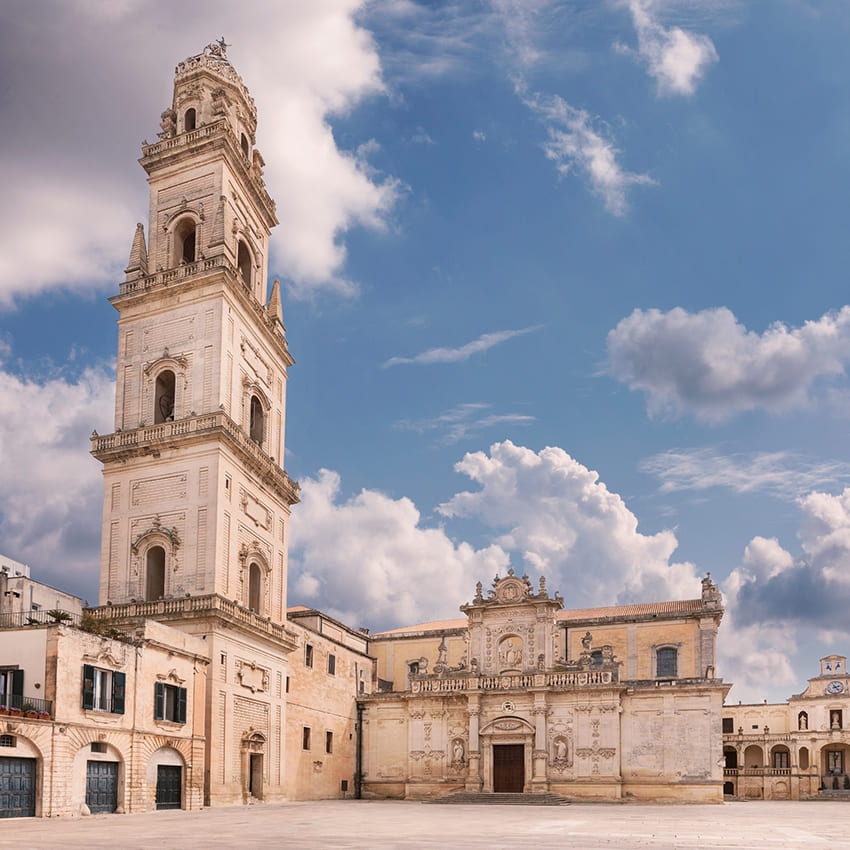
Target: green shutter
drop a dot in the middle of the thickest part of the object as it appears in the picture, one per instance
(18, 683)
(118, 680)
(88, 686)
(181, 705)
(159, 701)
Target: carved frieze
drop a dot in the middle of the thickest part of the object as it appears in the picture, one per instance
(251, 676)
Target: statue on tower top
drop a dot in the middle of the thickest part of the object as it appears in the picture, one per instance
(217, 48)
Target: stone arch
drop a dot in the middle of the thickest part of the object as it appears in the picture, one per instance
(254, 766)
(780, 757)
(141, 550)
(155, 380)
(183, 225)
(753, 756)
(253, 561)
(257, 431)
(27, 746)
(168, 754)
(730, 758)
(86, 741)
(803, 758)
(190, 119)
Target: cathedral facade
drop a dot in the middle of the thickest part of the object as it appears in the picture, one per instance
(522, 696)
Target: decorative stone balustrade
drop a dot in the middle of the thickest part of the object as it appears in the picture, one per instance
(564, 680)
(152, 435)
(193, 605)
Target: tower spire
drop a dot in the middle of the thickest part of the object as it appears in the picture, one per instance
(138, 263)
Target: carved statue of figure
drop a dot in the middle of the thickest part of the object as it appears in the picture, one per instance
(804, 721)
(442, 651)
(541, 661)
(479, 592)
(168, 124)
(586, 641)
(561, 749)
(473, 665)
(458, 750)
(510, 654)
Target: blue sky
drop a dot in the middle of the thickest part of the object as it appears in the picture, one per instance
(564, 281)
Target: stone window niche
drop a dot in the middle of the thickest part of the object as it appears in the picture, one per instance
(164, 390)
(305, 738)
(155, 573)
(257, 422)
(802, 720)
(244, 263)
(255, 588)
(246, 148)
(185, 241)
(189, 120)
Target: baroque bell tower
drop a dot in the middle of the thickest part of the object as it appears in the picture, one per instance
(196, 502)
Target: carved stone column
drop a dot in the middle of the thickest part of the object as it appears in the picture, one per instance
(473, 776)
(540, 754)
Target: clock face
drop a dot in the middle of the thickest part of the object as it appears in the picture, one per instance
(835, 687)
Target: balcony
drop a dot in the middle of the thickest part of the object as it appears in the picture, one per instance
(560, 680)
(26, 705)
(149, 438)
(22, 619)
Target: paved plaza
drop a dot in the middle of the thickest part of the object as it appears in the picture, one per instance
(396, 824)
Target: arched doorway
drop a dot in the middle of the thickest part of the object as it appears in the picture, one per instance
(253, 764)
(165, 776)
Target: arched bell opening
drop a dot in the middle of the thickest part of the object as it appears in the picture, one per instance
(155, 573)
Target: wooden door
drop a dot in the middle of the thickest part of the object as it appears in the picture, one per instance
(508, 768)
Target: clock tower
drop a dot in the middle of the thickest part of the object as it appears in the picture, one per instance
(196, 502)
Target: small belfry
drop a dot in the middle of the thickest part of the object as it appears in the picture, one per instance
(196, 503)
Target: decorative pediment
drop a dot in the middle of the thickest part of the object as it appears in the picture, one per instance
(512, 590)
(158, 530)
(170, 676)
(104, 658)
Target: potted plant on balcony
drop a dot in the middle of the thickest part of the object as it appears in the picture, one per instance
(14, 711)
(44, 715)
(58, 616)
(3, 709)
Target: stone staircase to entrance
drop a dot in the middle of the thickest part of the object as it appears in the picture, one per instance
(496, 799)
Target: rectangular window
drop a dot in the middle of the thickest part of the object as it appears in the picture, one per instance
(666, 663)
(98, 747)
(329, 742)
(12, 688)
(331, 664)
(343, 785)
(728, 725)
(308, 655)
(287, 684)
(7, 740)
(169, 703)
(103, 690)
(305, 738)
(780, 759)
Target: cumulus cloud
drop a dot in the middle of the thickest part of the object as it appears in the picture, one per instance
(462, 421)
(580, 144)
(710, 365)
(563, 522)
(676, 59)
(785, 474)
(304, 64)
(369, 560)
(52, 487)
(464, 352)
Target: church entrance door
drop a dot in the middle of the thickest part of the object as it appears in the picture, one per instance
(508, 768)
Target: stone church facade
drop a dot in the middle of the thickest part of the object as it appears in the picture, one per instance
(522, 696)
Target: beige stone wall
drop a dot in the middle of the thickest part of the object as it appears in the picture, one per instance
(395, 655)
(324, 703)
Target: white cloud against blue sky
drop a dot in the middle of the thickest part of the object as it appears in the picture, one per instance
(564, 280)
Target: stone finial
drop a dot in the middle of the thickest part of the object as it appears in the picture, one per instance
(275, 306)
(137, 266)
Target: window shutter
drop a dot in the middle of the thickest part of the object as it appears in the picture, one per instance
(181, 705)
(118, 680)
(88, 686)
(18, 683)
(159, 701)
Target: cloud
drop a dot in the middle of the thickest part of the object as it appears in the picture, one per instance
(479, 135)
(786, 475)
(304, 65)
(709, 365)
(811, 589)
(462, 421)
(576, 146)
(676, 59)
(563, 522)
(368, 559)
(464, 352)
(52, 488)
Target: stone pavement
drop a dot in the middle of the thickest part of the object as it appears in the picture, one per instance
(380, 825)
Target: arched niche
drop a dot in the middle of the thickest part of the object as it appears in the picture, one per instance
(98, 751)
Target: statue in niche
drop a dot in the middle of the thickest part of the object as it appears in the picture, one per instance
(561, 749)
(510, 652)
(457, 751)
(586, 641)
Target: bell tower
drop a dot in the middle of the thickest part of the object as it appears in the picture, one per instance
(196, 502)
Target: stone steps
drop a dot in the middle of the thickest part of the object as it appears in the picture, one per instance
(501, 799)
